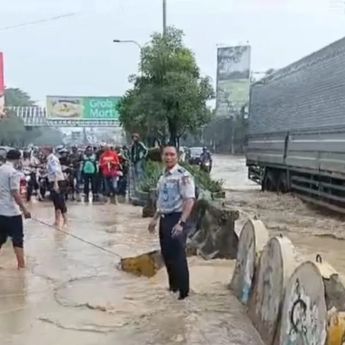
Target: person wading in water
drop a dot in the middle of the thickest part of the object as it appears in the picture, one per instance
(57, 188)
(176, 198)
(12, 206)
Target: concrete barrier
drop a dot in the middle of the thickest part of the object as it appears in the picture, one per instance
(277, 262)
(149, 208)
(212, 230)
(253, 238)
(334, 285)
(304, 311)
(291, 300)
(335, 301)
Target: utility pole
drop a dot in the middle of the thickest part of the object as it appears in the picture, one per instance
(164, 17)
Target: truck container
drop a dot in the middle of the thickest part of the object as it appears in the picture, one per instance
(296, 138)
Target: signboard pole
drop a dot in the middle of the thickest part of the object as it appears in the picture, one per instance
(2, 86)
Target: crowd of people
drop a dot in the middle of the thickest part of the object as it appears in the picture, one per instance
(99, 170)
(86, 172)
(79, 173)
(97, 173)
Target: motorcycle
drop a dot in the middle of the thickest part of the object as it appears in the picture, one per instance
(31, 183)
(205, 166)
(70, 182)
(23, 188)
(43, 183)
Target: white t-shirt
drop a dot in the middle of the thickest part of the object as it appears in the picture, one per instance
(9, 182)
(54, 169)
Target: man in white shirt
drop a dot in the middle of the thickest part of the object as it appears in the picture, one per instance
(57, 186)
(12, 206)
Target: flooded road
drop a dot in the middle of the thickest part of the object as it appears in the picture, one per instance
(72, 293)
(312, 230)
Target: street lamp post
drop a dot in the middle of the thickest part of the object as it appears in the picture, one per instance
(164, 17)
(135, 43)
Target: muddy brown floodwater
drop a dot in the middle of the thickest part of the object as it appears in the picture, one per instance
(311, 229)
(72, 293)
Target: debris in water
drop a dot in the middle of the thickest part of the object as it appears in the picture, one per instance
(143, 265)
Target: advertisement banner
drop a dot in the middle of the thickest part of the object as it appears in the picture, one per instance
(233, 80)
(82, 108)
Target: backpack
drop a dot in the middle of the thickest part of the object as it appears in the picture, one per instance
(89, 167)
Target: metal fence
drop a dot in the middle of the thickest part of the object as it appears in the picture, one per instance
(37, 117)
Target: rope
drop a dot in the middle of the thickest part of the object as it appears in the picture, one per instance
(77, 238)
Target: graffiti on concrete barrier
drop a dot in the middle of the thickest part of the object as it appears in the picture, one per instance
(268, 298)
(303, 320)
(248, 272)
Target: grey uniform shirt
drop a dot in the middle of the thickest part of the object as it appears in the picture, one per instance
(174, 187)
(9, 182)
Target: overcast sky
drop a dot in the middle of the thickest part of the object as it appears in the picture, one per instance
(75, 55)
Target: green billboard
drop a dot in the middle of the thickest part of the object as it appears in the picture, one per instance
(82, 108)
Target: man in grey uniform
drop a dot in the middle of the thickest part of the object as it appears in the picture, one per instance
(176, 198)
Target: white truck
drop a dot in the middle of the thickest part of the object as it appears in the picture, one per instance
(296, 138)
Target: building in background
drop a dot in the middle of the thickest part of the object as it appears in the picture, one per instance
(233, 80)
(2, 86)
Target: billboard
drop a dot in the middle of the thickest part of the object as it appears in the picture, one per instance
(233, 79)
(82, 108)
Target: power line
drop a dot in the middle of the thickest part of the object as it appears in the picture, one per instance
(40, 21)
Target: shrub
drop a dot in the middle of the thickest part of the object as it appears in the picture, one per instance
(153, 171)
(204, 180)
(154, 154)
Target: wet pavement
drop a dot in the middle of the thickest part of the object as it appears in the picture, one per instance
(72, 293)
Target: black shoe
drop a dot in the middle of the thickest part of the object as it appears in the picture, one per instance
(183, 295)
(173, 289)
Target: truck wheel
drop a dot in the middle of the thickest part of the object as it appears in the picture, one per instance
(270, 182)
(283, 183)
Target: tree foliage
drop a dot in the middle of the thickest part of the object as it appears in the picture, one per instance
(15, 97)
(169, 97)
(12, 131)
(226, 134)
(12, 128)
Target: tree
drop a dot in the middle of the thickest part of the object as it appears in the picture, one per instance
(15, 97)
(12, 129)
(169, 98)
